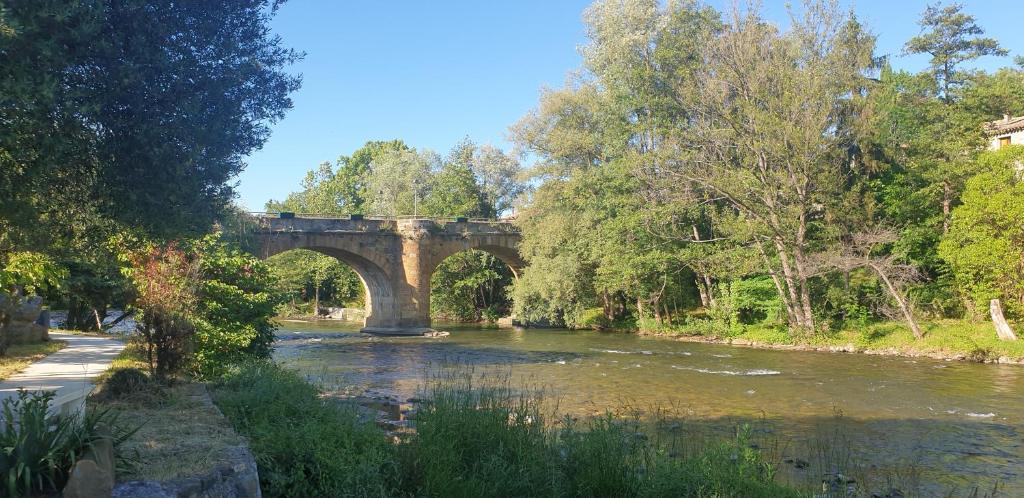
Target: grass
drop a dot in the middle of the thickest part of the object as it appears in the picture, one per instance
(470, 441)
(179, 434)
(20, 356)
(945, 338)
(132, 356)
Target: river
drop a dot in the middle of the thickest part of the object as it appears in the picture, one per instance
(940, 426)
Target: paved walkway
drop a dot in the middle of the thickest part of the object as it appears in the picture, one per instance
(69, 371)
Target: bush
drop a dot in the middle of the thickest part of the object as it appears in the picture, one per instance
(165, 279)
(124, 382)
(39, 450)
(235, 308)
(593, 318)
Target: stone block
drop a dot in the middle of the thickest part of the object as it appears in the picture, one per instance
(88, 480)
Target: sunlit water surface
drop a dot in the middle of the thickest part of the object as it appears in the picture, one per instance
(956, 424)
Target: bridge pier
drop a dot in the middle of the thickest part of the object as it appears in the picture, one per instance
(394, 258)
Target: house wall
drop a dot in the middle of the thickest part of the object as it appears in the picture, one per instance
(1016, 138)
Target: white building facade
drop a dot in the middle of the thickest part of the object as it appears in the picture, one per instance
(1005, 132)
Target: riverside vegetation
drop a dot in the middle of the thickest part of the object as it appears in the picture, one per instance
(470, 440)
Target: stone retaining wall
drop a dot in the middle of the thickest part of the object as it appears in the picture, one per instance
(235, 476)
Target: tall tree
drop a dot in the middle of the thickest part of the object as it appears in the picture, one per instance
(951, 37)
(758, 145)
(145, 108)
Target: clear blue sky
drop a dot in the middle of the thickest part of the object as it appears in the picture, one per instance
(433, 72)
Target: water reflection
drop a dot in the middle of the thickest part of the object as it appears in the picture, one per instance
(956, 423)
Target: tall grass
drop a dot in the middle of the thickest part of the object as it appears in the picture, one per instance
(472, 440)
(305, 445)
(487, 439)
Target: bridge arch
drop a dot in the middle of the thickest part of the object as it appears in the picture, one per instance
(394, 258)
(381, 305)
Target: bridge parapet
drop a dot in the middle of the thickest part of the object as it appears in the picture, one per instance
(272, 223)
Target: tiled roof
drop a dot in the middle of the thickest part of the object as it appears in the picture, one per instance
(1005, 125)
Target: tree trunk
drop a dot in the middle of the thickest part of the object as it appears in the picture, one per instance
(801, 272)
(703, 293)
(1003, 329)
(316, 300)
(790, 285)
(947, 202)
(709, 288)
(606, 304)
(900, 301)
(707, 297)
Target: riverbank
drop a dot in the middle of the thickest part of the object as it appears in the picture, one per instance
(471, 439)
(943, 340)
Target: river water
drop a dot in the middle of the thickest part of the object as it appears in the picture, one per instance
(940, 427)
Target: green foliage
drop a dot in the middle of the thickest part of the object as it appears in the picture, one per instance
(985, 243)
(468, 285)
(645, 204)
(950, 37)
(235, 308)
(30, 271)
(453, 192)
(305, 445)
(133, 112)
(317, 278)
(39, 450)
(754, 300)
(338, 191)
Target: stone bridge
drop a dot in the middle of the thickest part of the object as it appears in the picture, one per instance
(394, 257)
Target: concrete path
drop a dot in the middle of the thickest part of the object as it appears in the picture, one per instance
(69, 371)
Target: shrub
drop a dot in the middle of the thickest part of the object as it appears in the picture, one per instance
(234, 311)
(124, 382)
(165, 278)
(39, 450)
(593, 318)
